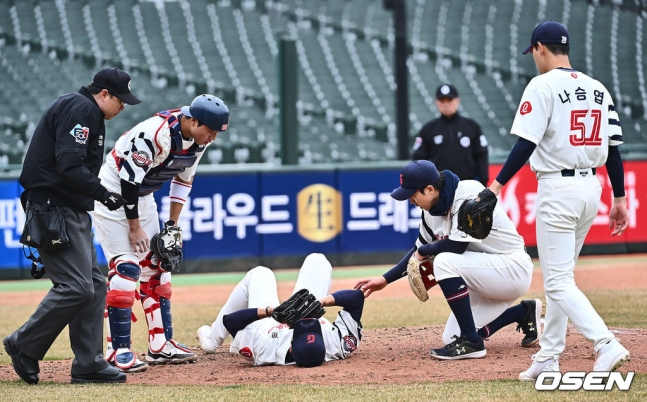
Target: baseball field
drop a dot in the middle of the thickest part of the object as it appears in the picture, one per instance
(391, 364)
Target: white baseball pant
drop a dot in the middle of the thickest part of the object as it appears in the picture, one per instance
(258, 290)
(565, 210)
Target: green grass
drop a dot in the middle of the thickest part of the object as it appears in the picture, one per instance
(504, 390)
(617, 309)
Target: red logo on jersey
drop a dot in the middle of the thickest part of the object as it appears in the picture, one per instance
(246, 352)
(525, 108)
(350, 343)
(574, 75)
(141, 158)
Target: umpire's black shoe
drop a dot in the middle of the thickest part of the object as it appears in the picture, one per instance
(109, 374)
(461, 348)
(26, 367)
(531, 322)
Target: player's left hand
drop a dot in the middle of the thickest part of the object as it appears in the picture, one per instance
(618, 217)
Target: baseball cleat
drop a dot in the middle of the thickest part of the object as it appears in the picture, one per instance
(531, 322)
(537, 367)
(206, 344)
(611, 356)
(125, 360)
(172, 353)
(461, 348)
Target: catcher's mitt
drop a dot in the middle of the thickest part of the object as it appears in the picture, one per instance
(167, 246)
(421, 276)
(475, 216)
(300, 305)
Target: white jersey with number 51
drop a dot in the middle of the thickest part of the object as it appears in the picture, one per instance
(572, 119)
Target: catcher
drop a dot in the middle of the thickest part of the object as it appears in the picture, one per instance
(480, 278)
(167, 147)
(301, 335)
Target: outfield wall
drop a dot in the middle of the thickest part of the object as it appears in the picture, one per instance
(240, 217)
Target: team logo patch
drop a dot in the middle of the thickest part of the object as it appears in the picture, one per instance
(465, 142)
(80, 134)
(417, 143)
(246, 352)
(483, 141)
(350, 343)
(574, 75)
(438, 139)
(525, 108)
(141, 158)
(401, 177)
(224, 127)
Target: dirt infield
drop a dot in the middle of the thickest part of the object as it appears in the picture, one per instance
(385, 355)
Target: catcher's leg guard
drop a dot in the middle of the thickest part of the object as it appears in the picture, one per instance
(120, 298)
(162, 349)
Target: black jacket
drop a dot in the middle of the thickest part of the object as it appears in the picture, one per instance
(66, 153)
(457, 144)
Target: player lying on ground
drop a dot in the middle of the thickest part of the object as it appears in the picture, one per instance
(247, 316)
(479, 278)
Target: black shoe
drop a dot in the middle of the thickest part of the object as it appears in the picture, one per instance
(109, 374)
(531, 322)
(26, 367)
(461, 348)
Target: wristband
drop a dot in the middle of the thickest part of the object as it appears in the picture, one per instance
(179, 192)
(267, 311)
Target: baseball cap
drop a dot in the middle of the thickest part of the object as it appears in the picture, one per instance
(117, 82)
(414, 176)
(308, 348)
(446, 91)
(549, 32)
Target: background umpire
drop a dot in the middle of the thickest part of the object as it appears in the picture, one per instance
(453, 142)
(60, 178)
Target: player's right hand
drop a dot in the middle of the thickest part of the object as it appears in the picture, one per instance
(112, 201)
(139, 240)
(370, 285)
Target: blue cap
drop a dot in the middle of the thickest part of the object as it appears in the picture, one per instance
(549, 32)
(308, 347)
(414, 176)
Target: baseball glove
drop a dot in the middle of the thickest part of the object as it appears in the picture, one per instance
(421, 276)
(300, 305)
(167, 246)
(475, 216)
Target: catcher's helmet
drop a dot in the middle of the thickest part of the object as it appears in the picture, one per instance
(209, 110)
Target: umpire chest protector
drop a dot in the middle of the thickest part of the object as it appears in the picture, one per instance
(178, 159)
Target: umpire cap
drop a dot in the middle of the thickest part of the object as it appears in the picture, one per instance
(308, 347)
(117, 82)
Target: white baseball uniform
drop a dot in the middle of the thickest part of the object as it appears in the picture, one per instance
(147, 155)
(572, 120)
(266, 341)
(497, 269)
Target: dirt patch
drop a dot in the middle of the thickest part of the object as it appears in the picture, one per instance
(386, 355)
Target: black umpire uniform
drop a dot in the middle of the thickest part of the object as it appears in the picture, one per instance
(60, 174)
(454, 143)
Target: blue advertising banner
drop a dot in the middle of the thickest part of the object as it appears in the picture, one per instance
(266, 214)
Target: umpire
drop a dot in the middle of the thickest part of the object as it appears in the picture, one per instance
(60, 180)
(453, 142)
